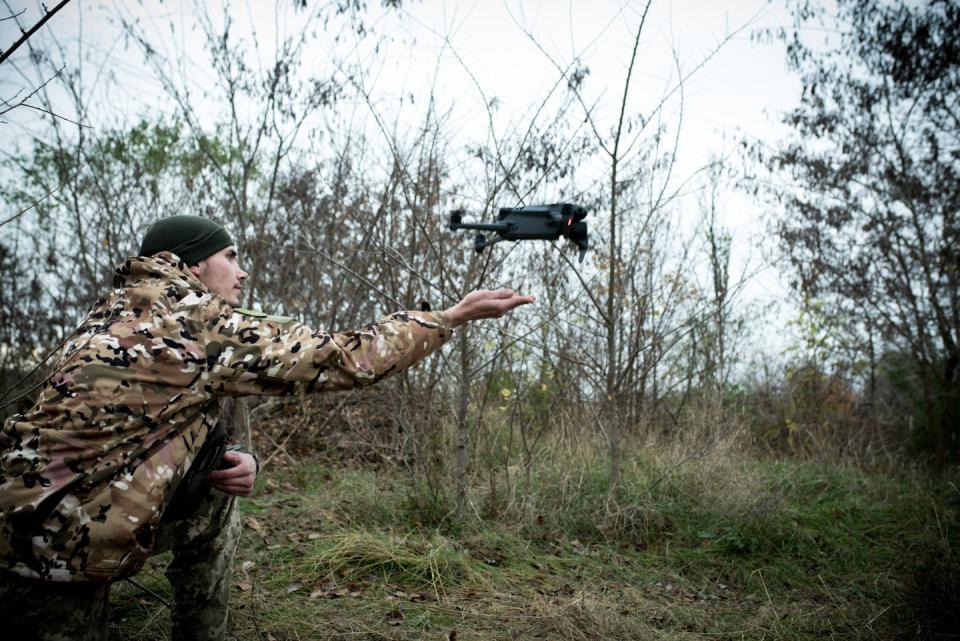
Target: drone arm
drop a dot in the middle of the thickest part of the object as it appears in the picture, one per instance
(497, 227)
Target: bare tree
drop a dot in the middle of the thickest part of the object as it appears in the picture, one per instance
(870, 187)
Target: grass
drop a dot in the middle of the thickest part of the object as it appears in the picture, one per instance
(724, 547)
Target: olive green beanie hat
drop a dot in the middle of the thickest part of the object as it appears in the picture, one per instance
(192, 238)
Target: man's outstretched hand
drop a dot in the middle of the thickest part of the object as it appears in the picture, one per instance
(485, 303)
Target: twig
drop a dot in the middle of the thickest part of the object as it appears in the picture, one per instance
(55, 115)
(33, 387)
(23, 101)
(365, 281)
(586, 288)
(33, 204)
(150, 592)
(26, 34)
(14, 16)
(269, 405)
(343, 402)
(31, 94)
(765, 591)
(402, 262)
(279, 447)
(253, 604)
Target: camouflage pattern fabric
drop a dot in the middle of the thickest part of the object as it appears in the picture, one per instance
(86, 474)
(203, 546)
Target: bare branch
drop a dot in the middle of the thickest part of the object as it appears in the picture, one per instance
(51, 113)
(362, 279)
(26, 34)
(35, 203)
(14, 16)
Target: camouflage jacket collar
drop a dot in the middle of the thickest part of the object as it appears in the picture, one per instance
(165, 269)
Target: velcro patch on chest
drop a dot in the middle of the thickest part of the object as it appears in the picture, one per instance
(252, 313)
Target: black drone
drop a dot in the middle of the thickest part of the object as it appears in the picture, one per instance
(536, 222)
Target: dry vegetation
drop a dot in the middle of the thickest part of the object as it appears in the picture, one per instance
(706, 542)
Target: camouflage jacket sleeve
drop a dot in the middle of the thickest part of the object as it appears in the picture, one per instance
(249, 353)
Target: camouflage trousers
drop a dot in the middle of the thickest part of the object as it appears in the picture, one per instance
(203, 545)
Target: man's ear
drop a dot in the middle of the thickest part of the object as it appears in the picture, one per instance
(194, 269)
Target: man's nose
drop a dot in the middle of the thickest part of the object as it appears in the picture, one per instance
(241, 275)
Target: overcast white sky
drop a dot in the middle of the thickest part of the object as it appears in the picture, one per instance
(465, 47)
(739, 91)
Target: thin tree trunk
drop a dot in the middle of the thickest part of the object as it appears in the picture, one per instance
(462, 435)
(612, 398)
(613, 423)
(947, 445)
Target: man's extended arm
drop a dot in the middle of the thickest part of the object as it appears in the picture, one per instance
(254, 355)
(250, 355)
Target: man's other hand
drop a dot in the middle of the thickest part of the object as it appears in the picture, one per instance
(237, 479)
(485, 303)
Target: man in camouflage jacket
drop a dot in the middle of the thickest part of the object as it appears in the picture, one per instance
(87, 474)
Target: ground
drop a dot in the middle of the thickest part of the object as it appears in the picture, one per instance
(741, 549)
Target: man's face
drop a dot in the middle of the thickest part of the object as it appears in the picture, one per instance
(221, 274)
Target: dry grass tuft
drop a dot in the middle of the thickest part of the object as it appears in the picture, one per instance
(435, 561)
